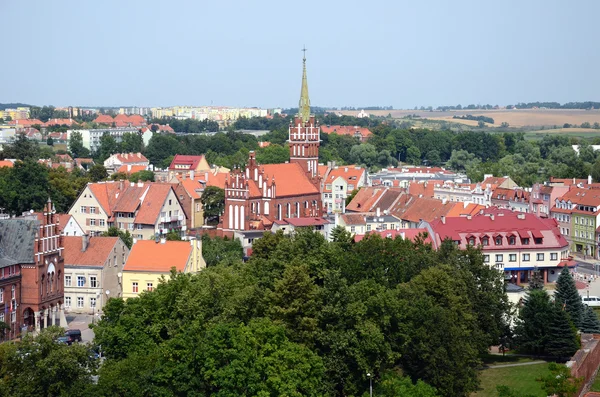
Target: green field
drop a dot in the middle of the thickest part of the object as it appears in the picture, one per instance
(585, 133)
(521, 379)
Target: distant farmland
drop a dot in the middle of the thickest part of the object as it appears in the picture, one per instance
(515, 118)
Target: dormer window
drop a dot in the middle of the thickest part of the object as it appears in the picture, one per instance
(538, 240)
(525, 241)
(485, 241)
(472, 241)
(498, 240)
(512, 240)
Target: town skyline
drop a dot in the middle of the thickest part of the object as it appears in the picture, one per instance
(372, 58)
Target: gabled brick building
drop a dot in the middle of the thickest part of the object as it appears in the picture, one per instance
(261, 194)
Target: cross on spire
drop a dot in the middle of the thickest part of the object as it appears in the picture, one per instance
(304, 104)
(304, 51)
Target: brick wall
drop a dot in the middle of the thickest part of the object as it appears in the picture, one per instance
(585, 362)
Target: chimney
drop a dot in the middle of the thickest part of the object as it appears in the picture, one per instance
(443, 219)
(206, 177)
(521, 216)
(85, 241)
(492, 216)
(192, 175)
(589, 179)
(469, 217)
(345, 169)
(378, 212)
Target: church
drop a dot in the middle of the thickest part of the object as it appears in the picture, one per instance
(260, 195)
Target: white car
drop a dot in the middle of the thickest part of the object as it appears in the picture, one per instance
(592, 301)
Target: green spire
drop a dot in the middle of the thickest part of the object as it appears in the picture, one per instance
(304, 105)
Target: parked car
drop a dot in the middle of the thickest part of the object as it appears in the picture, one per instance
(592, 301)
(74, 335)
(64, 339)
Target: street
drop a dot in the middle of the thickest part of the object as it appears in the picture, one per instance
(81, 322)
(586, 270)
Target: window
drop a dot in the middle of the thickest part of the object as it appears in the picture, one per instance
(67, 301)
(485, 241)
(92, 302)
(577, 220)
(92, 222)
(512, 257)
(131, 226)
(553, 256)
(13, 317)
(2, 317)
(149, 286)
(12, 292)
(471, 240)
(139, 226)
(80, 281)
(498, 240)
(512, 240)
(102, 222)
(93, 282)
(352, 229)
(486, 258)
(538, 241)
(134, 287)
(80, 301)
(82, 209)
(197, 207)
(1, 295)
(92, 210)
(169, 201)
(368, 227)
(499, 257)
(540, 257)
(525, 257)
(526, 241)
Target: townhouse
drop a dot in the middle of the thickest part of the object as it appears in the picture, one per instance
(146, 210)
(126, 162)
(93, 267)
(338, 183)
(515, 243)
(150, 260)
(362, 223)
(188, 164)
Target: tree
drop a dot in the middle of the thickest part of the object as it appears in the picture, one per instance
(481, 124)
(108, 146)
(39, 366)
(22, 149)
(413, 156)
(504, 124)
(392, 384)
(142, 176)
(173, 236)
(221, 250)
(531, 331)
(76, 146)
(562, 335)
(124, 235)
(213, 201)
(97, 173)
(559, 382)
(536, 281)
(132, 142)
(433, 157)
(50, 141)
(273, 154)
(566, 294)
(590, 323)
(460, 159)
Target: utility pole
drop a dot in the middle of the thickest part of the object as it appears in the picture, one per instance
(370, 384)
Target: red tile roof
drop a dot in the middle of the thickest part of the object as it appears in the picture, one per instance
(131, 169)
(68, 122)
(264, 144)
(423, 209)
(104, 119)
(351, 174)
(121, 120)
(503, 223)
(6, 163)
(407, 234)
(365, 198)
(106, 194)
(424, 189)
(96, 254)
(26, 122)
(152, 203)
(193, 187)
(361, 132)
(290, 179)
(303, 222)
(353, 219)
(461, 210)
(190, 162)
(150, 256)
(131, 158)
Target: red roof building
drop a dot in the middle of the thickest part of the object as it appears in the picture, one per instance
(512, 242)
(406, 234)
(362, 133)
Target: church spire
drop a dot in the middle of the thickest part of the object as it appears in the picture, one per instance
(304, 105)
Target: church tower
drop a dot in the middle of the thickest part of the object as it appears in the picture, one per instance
(304, 133)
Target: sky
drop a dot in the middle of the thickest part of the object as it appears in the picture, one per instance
(248, 53)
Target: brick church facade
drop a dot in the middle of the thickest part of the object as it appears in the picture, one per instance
(262, 194)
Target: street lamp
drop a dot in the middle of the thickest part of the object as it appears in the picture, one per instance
(370, 384)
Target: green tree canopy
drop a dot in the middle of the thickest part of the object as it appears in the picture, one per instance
(213, 201)
(566, 294)
(76, 146)
(125, 236)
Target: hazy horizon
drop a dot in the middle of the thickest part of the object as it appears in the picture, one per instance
(238, 54)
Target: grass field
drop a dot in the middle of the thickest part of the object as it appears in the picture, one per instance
(570, 132)
(521, 379)
(515, 118)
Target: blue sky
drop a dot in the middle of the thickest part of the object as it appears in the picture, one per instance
(247, 53)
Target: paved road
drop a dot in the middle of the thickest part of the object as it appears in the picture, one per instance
(81, 322)
(516, 365)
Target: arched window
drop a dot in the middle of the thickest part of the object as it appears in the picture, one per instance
(266, 208)
(288, 210)
(279, 211)
(297, 209)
